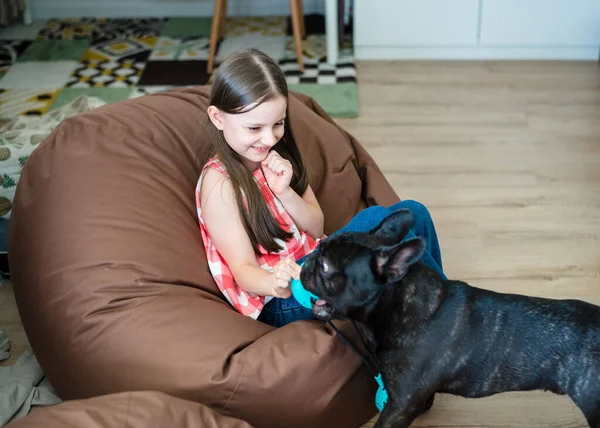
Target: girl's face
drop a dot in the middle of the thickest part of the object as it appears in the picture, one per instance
(253, 133)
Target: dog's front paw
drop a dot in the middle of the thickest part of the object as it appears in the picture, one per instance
(429, 403)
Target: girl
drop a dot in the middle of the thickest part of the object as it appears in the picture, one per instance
(257, 212)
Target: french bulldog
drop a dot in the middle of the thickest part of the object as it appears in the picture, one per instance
(434, 335)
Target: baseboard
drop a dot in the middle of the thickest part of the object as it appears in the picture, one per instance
(476, 53)
(45, 9)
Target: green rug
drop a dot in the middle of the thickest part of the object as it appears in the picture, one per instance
(52, 63)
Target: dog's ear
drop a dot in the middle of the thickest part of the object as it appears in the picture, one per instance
(393, 262)
(396, 225)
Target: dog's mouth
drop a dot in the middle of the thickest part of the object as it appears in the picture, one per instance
(322, 310)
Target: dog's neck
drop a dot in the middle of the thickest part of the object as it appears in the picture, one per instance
(410, 301)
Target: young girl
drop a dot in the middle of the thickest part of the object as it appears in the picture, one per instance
(257, 212)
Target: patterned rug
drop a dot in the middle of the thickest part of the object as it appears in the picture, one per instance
(48, 64)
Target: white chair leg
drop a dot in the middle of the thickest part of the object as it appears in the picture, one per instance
(331, 30)
(27, 13)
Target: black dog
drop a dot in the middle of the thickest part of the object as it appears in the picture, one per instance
(434, 335)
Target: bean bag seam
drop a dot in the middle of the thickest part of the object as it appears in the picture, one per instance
(127, 411)
(242, 372)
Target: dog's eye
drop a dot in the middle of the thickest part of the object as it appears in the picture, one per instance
(324, 266)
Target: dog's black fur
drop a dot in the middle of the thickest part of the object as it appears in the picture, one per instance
(435, 335)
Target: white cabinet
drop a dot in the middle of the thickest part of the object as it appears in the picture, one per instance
(540, 22)
(414, 22)
(477, 29)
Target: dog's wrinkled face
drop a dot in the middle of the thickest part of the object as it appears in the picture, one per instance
(349, 270)
(331, 273)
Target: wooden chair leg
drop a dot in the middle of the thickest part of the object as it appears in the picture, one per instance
(222, 25)
(297, 32)
(214, 34)
(301, 14)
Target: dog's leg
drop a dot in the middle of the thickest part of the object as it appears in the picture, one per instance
(588, 401)
(429, 403)
(593, 418)
(396, 417)
(400, 413)
(391, 417)
(591, 412)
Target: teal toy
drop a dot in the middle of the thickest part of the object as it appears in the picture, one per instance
(381, 397)
(301, 294)
(305, 298)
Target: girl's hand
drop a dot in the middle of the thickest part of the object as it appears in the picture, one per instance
(278, 172)
(282, 274)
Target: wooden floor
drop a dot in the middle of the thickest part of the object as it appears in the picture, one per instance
(507, 158)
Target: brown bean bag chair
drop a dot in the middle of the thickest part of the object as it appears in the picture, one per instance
(112, 282)
(139, 409)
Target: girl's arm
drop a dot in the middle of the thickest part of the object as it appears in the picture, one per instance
(224, 224)
(305, 211)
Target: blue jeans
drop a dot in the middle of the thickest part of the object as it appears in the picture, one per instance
(279, 312)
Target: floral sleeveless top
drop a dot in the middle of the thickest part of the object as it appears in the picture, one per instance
(300, 245)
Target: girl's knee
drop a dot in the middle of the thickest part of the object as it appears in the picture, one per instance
(366, 219)
(417, 209)
(371, 217)
(374, 211)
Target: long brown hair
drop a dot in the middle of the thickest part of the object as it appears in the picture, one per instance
(246, 77)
